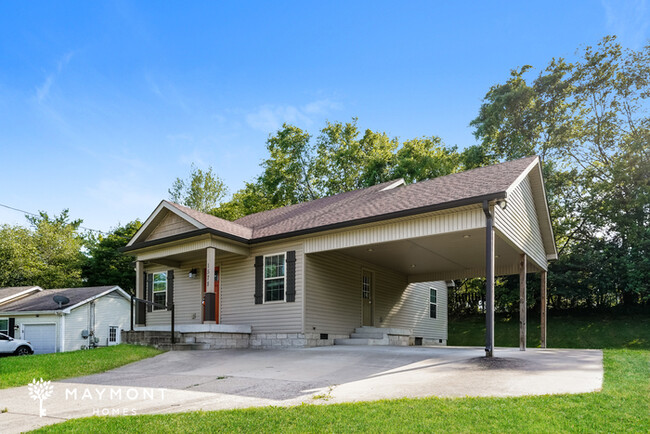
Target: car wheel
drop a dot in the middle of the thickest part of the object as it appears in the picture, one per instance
(23, 351)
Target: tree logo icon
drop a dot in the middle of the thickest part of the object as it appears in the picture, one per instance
(40, 390)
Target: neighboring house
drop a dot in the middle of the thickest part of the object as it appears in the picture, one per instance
(312, 273)
(71, 321)
(16, 292)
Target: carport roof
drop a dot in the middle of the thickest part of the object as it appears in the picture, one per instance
(380, 202)
(43, 301)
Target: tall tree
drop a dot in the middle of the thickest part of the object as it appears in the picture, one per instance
(105, 264)
(202, 191)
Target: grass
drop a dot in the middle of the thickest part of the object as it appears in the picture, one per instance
(18, 371)
(604, 330)
(623, 404)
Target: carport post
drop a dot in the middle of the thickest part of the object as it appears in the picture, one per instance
(522, 302)
(489, 280)
(542, 326)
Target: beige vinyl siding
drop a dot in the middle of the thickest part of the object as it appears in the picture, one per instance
(440, 222)
(170, 225)
(333, 298)
(187, 297)
(237, 288)
(409, 308)
(520, 224)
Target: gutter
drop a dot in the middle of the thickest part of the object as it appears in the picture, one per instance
(477, 200)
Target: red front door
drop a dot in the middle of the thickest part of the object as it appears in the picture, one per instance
(216, 293)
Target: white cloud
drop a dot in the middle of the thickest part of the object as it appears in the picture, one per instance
(269, 118)
(629, 20)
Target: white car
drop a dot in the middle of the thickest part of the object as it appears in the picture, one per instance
(18, 347)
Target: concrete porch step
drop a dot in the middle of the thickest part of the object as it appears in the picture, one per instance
(384, 330)
(368, 335)
(361, 341)
(184, 346)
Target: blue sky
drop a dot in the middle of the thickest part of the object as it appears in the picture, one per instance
(104, 104)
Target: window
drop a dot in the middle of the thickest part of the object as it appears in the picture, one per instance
(112, 334)
(274, 281)
(159, 289)
(433, 303)
(4, 326)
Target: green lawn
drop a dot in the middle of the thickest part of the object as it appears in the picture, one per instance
(623, 405)
(563, 331)
(18, 371)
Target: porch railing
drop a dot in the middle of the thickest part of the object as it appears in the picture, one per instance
(170, 307)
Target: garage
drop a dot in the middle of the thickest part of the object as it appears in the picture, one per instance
(41, 336)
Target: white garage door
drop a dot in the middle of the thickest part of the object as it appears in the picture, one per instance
(41, 336)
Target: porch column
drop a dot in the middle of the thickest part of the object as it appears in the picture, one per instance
(522, 302)
(211, 254)
(543, 308)
(489, 280)
(140, 308)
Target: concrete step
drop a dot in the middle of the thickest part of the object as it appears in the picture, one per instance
(384, 330)
(361, 341)
(189, 340)
(184, 347)
(368, 335)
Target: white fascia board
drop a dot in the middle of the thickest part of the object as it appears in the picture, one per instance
(397, 183)
(20, 294)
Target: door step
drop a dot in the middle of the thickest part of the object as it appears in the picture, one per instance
(361, 341)
(372, 336)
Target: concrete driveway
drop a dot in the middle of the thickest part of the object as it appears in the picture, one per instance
(224, 379)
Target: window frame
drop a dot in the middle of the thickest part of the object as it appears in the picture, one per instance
(5, 331)
(153, 290)
(284, 278)
(433, 304)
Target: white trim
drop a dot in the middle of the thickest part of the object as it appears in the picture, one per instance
(521, 176)
(431, 288)
(372, 296)
(20, 294)
(164, 205)
(264, 278)
(153, 291)
(62, 336)
(95, 297)
(397, 183)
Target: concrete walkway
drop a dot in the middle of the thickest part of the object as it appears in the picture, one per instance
(225, 379)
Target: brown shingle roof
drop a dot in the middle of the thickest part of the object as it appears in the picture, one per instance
(13, 290)
(369, 204)
(374, 202)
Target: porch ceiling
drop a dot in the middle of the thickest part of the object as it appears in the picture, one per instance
(440, 257)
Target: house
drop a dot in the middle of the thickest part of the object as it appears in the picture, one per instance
(370, 263)
(57, 320)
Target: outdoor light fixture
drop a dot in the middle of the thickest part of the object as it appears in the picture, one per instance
(466, 236)
(412, 265)
(502, 203)
(193, 273)
(370, 249)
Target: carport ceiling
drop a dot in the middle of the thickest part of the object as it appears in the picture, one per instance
(455, 251)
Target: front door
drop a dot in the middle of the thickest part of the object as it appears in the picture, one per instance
(216, 293)
(366, 297)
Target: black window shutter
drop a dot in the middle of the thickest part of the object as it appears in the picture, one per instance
(12, 324)
(291, 276)
(259, 279)
(149, 291)
(170, 287)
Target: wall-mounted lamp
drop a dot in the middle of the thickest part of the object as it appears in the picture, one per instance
(193, 273)
(502, 203)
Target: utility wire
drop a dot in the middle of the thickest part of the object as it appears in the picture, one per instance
(37, 215)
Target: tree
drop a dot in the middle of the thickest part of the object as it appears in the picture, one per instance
(48, 254)
(202, 191)
(588, 120)
(105, 264)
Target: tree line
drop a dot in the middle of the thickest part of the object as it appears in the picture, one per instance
(587, 119)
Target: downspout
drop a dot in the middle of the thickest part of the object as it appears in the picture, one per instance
(489, 280)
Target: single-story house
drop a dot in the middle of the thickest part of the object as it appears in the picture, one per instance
(371, 263)
(57, 320)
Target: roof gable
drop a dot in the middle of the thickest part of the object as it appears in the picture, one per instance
(15, 292)
(44, 301)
